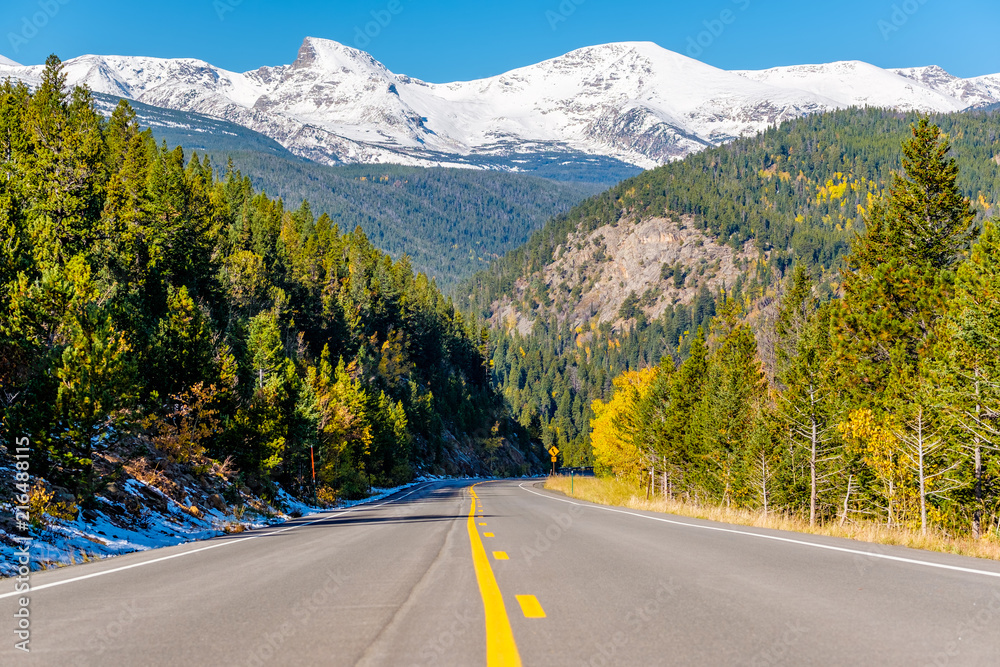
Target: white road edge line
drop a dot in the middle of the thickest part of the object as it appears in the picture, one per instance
(869, 554)
(211, 546)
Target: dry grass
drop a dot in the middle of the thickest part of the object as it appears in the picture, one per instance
(74, 557)
(153, 476)
(607, 491)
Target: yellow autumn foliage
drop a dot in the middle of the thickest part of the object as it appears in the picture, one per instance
(614, 423)
(875, 440)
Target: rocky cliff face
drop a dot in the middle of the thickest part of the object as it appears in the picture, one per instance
(654, 262)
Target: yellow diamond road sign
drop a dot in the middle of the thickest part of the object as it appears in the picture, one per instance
(553, 450)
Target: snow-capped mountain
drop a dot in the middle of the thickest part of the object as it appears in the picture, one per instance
(977, 91)
(855, 83)
(633, 101)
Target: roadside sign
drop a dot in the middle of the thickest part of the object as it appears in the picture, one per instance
(553, 450)
(553, 459)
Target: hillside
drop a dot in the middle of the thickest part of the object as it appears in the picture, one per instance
(194, 131)
(621, 279)
(619, 270)
(451, 222)
(793, 192)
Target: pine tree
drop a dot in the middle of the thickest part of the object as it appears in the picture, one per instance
(14, 151)
(734, 389)
(66, 170)
(972, 355)
(96, 382)
(930, 221)
(898, 279)
(182, 350)
(126, 244)
(763, 454)
(805, 405)
(265, 352)
(896, 292)
(667, 412)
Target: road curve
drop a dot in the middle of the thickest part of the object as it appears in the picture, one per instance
(553, 581)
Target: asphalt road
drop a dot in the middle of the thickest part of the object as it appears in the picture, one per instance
(449, 574)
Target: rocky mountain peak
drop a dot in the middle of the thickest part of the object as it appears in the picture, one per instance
(331, 56)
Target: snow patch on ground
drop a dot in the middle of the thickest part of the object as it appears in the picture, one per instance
(112, 529)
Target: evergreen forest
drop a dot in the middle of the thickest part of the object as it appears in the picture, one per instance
(798, 193)
(154, 307)
(877, 400)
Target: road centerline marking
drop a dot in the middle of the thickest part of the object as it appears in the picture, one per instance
(530, 606)
(500, 555)
(488, 535)
(501, 648)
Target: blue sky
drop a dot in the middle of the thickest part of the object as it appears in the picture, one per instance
(447, 40)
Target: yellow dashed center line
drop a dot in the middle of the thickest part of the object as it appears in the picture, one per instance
(487, 534)
(530, 606)
(500, 646)
(482, 524)
(500, 555)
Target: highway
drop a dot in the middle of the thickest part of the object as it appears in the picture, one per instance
(503, 572)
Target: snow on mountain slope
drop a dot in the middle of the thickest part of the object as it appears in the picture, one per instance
(986, 87)
(854, 83)
(636, 101)
(975, 92)
(4, 61)
(633, 101)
